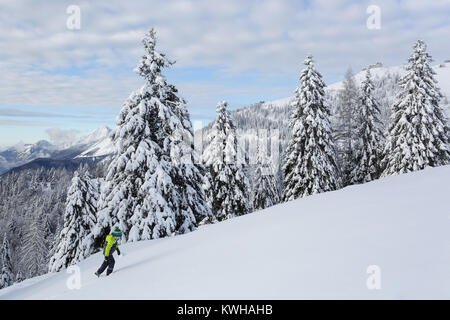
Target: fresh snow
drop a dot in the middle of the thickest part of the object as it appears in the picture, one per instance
(317, 247)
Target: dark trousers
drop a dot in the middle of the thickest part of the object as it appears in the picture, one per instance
(109, 262)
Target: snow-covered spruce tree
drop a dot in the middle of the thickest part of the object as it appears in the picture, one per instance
(265, 183)
(368, 146)
(19, 277)
(345, 126)
(76, 239)
(54, 241)
(418, 135)
(6, 275)
(34, 249)
(265, 187)
(150, 191)
(188, 171)
(310, 160)
(89, 216)
(227, 186)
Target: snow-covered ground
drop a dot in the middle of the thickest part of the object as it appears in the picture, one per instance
(315, 247)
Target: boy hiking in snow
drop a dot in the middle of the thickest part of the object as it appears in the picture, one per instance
(111, 244)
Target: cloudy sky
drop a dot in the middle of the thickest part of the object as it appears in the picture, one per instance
(57, 82)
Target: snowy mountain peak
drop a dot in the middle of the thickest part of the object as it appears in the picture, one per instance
(103, 132)
(95, 143)
(95, 135)
(100, 143)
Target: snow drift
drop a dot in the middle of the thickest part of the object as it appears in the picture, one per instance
(318, 247)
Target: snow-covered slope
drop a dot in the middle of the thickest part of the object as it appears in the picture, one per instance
(315, 247)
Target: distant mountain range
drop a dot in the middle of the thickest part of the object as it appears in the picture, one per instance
(90, 148)
(270, 115)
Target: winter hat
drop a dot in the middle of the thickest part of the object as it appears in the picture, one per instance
(117, 232)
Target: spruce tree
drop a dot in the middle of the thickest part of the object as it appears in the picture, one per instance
(188, 171)
(152, 188)
(227, 186)
(76, 240)
(19, 277)
(34, 249)
(368, 146)
(265, 188)
(89, 215)
(418, 135)
(345, 128)
(6, 276)
(310, 162)
(265, 184)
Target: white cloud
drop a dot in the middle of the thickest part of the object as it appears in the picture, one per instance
(264, 38)
(62, 137)
(19, 123)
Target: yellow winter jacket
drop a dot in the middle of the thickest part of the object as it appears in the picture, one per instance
(111, 245)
